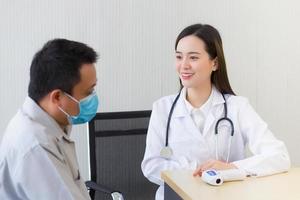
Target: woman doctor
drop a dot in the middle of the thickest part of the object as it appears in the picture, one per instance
(197, 137)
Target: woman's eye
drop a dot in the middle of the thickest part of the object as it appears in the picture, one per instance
(178, 57)
(194, 58)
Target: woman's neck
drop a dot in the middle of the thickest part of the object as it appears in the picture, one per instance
(198, 96)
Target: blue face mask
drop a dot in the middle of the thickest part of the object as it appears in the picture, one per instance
(87, 109)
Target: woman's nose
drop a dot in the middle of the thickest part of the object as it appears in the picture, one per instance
(185, 64)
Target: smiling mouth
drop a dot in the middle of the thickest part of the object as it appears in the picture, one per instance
(186, 76)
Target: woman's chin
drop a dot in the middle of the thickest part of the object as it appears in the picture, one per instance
(187, 85)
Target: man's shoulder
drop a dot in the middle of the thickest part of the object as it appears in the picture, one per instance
(25, 137)
(22, 135)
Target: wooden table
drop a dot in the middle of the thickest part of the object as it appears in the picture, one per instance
(284, 186)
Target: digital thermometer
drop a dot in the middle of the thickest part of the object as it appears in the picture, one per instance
(217, 177)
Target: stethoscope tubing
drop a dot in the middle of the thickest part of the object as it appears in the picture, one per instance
(225, 118)
(169, 118)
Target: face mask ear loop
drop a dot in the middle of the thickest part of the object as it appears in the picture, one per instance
(71, 97)
(78, 102)
(64, 111)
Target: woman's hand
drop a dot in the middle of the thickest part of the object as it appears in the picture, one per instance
(213, 164)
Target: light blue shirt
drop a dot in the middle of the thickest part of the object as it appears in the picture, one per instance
(37, 159)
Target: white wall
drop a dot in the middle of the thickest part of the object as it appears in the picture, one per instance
(135, 40)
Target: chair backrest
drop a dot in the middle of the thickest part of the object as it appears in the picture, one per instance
(117, 145)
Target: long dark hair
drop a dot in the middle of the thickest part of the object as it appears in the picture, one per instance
(213, 45)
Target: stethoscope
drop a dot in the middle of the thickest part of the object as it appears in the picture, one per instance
(166, 152)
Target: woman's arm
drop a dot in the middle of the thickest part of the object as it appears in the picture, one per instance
(269, 154)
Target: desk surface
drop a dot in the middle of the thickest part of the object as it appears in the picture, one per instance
(285, 186)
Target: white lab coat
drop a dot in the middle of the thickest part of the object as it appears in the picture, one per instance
(192, 148)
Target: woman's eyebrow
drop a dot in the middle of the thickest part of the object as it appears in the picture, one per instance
(191, 52)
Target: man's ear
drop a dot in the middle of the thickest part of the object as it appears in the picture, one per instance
(215, 64)
(55, 96)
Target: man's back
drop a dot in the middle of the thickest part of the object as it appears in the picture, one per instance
(37, 159)
(37, 156)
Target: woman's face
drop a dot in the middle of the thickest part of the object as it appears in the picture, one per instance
(193, 64)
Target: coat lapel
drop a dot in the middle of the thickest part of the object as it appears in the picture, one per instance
(215, 112)
(181, 113)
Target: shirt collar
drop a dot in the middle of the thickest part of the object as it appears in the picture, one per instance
(36, 113)
(182, 109)
(204, 109)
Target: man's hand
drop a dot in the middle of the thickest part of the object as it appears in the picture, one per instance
(213, 164)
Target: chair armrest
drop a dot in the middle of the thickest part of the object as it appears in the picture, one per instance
(97, 187)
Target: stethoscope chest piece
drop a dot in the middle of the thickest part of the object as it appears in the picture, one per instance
(166, 152)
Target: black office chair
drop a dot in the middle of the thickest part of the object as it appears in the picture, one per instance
(117, 143)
